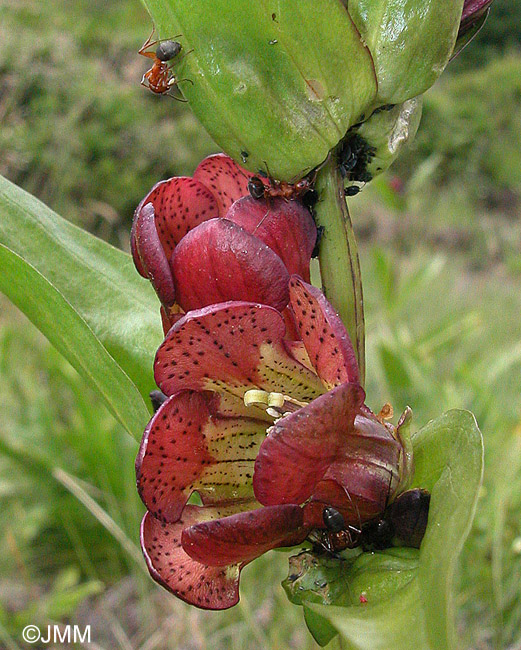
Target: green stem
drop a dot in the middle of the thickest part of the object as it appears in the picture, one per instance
(338, 257)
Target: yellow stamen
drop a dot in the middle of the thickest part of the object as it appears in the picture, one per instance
(256, 397)
(273, 402)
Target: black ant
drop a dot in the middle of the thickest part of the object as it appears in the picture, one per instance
(337, 536)
(160, 78)
(353, 158)
(405, 519)
(352, 190)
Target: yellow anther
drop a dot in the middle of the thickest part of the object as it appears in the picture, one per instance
(276, 404)
(276, 400)
(256, 397)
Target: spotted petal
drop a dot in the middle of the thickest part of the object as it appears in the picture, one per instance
(242, 537)
(325, 337)
(231, 348)
(187, 446)
(301, 447)
(220, 261)
(224, 178)
(149, 255)
(195, 583)
(287, 227)
(179, 204)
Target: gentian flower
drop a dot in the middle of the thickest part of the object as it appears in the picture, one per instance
(205, 240)
(267, 431)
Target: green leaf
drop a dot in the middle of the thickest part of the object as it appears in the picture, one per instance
(98, 281)
(46, 307)
(409, 594)
(393, 624)
(448, 455)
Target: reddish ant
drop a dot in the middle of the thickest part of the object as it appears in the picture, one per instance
(302, 189)
(160, 78)
(282, 189)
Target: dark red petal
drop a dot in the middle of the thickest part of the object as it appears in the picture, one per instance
(149, 255)
(325, 337)
(136, 257)
(364, 489)
(242, 537)
(287, 227)
(204, 586)
(220, 261)
(365, 474)
(300, 447)
(231, 348)
(180, 204)
(224, 178)
(185, 448)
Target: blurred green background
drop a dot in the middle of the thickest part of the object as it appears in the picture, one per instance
(440, 245)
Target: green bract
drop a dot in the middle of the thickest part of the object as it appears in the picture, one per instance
(278, 83)
(383, 135)
(411, 42)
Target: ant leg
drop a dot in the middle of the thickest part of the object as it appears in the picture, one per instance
(147, 43)
(272, 181)
(178, 60)
(150, 43)
(355, 507)
(176, 97)
(322, 164)
(149, 55)
(354, 535)
(296, 178)
(389, 491)
(162, 40)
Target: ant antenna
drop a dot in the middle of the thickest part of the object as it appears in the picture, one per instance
(389, 490)
(355, 507)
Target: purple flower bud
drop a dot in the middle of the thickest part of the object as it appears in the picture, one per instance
(474, 14)
(473, 11)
